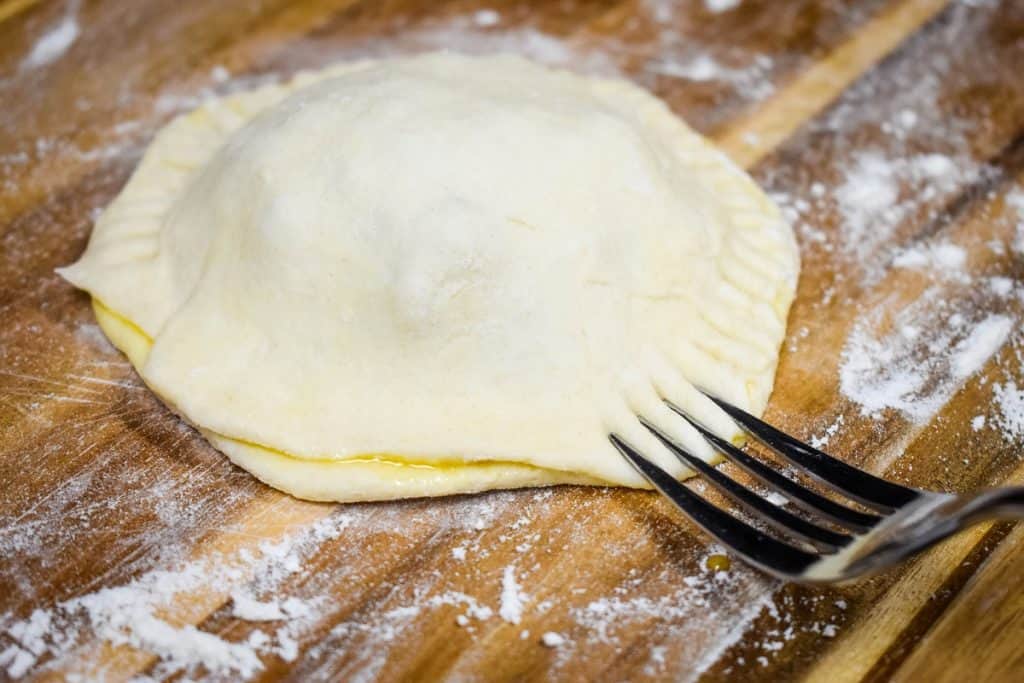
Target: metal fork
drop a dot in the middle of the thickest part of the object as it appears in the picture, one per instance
(842, 543)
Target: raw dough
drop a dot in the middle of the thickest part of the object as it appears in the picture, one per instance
(441, 274)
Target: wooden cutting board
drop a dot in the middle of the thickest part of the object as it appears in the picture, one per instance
(891, 131)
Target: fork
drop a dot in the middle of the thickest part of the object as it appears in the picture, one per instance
(842, 542)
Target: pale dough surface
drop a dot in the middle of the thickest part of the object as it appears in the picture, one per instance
(441, 274)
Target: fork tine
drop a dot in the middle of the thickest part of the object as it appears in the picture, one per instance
(757, 548)
(783, 520)
(856, 484)
(854, 520)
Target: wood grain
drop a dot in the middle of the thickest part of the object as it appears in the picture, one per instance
(101, 487)
(9, 8)
(977, 621)
(751, 137)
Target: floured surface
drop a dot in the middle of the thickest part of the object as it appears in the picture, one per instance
(107, 500)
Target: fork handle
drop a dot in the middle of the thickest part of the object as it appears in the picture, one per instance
(1001, 503)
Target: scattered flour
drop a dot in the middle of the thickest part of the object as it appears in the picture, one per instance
(943, 258)
(977, 422)
(245, 606)
(220, 74)
(880, 192)
(907, 118)
(981, 344)
(474, 610)
(682, 609)
(52, 45)
(552, 639)
(656, 660)
(134, 613)
(1015, 200)
(16, 661)
(478, 33)
(747, 73)
(918, 366)
(830, 431)
(90, 334)
(1001, 286)
(129, 614)
(701, 68)
(717, 6)
(748, 81)
(1010, 404)
(513, 600)
(486, 17)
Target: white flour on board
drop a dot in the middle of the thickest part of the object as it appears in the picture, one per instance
(718, 6)
(943, 259)
(879, 192)
(1010, 403)
(513, 599)
(872, 197)
(137, 613)
(822, 440)
(55, 41)
(917, 366)
(1015, 200)
(479, 33)
(746, 73)
(751, 79)
(552, 639)
(486, 18)
(939, 340)
(133, 613)
(247, 607)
